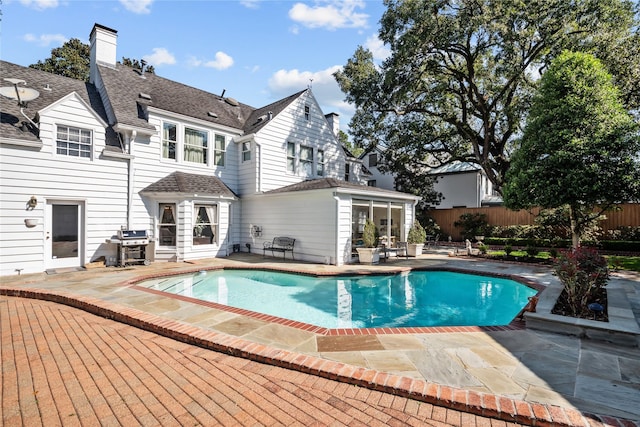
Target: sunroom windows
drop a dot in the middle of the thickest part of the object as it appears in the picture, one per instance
(188, 144)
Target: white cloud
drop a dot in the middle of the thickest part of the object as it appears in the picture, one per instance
(160, 56)
(378, 49)
(331, 14)
(251, 4)
(46, 39)
(222, 61)
(40, 4)
(141, 7)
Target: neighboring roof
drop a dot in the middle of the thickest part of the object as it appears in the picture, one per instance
(52, 88)
(187, 183)
(127, 89)
(325, 183)
(260, 117)
(455, 167)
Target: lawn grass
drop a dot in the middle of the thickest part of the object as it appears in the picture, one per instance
(616, 262)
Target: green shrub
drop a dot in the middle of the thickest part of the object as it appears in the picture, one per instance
(532, 251)
(472, 225)
(370, 234)
(483, 248)
(508, 249)
(416, 234)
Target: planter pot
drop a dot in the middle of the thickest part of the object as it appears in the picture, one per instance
(368, 255)
(415, 249)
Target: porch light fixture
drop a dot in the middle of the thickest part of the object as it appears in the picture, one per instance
(32, 203)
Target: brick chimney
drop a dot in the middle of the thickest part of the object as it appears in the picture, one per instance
(103, 42)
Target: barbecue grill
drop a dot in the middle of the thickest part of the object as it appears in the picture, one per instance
(132, 247)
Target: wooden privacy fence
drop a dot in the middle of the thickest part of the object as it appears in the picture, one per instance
(627, 215)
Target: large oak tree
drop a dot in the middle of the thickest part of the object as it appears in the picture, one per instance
(459, 81)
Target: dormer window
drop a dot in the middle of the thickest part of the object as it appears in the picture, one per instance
(74, 142)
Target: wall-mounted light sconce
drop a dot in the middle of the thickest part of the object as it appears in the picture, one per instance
(32, 203)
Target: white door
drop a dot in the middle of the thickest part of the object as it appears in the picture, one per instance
(64, 244)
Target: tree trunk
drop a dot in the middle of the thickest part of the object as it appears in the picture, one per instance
(575, 232)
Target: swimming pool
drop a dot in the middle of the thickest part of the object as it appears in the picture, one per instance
(414, 299)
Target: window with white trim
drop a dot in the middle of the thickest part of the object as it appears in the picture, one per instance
(291, 157)
(205, 224)
(219, 150)
(167, 224)
(74, 142)
(169, 140)
(195, 146)
(306, 160)
(321, 163)
(246, 151)
(307, 110)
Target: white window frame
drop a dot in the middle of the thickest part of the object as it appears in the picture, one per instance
(246, 151)
(219, 153)
(321, 163)
(205, 148)
(161, 225)
(292, 163)
(168, 142)
(70, 146)
(212, 210)
(306, 163)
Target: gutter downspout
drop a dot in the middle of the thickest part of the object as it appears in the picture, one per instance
(259, 160)
(337, 248)
(130, 183)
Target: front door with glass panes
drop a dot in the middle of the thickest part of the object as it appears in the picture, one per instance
(64, 245)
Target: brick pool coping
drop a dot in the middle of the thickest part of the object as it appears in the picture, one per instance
(483, 404)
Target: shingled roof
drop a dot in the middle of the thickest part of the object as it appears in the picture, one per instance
(325, 183)
(52, 88)
(187, 183)
(127, 89)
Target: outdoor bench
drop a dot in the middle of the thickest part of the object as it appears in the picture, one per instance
(279, 244)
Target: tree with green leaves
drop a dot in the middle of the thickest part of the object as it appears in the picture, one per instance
(580, 147)
(459, 81)
(72, 60)
(69, 60)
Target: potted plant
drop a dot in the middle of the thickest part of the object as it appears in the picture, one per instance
(369, 252)
(416, 239)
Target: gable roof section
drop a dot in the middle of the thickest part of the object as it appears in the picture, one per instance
(124, 87)
(75, 95)
(187, 183)
(52, 88)
(256, 120)
(326, 183)
(455, 167)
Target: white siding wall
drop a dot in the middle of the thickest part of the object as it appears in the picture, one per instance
(291, 126)
(308, 217)
(99, 183)
(459, 189)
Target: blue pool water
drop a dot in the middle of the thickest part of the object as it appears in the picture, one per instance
(418, 298)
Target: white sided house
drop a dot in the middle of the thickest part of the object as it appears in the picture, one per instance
(202, 174)
(462, 184)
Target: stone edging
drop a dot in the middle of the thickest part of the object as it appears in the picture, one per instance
(483, 404)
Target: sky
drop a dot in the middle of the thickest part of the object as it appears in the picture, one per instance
(258, 51)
